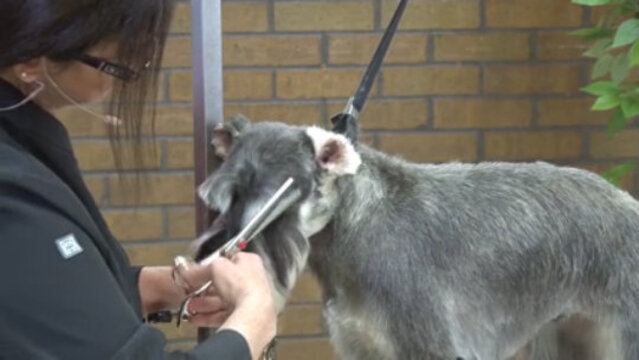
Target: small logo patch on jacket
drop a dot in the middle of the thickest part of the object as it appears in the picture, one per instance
(68, 246)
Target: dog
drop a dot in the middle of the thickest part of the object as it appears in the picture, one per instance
(438, 261)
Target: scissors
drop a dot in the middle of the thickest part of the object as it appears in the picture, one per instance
(275, 206)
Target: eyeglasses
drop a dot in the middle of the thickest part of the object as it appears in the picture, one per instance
(118, 71)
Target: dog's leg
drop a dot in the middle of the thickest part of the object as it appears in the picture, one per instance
(576, 338)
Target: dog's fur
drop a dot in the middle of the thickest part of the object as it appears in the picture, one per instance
(470, 261)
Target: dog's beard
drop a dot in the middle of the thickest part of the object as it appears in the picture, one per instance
(282, 247)
(284, 251)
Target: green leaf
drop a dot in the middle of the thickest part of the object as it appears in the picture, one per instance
(617, 123)
(620, 68)
(599, 48)
(627, 33)
(591, 2)
(614, 175)
(602, 88)
(594, 33)
(634, 54)
(602, 66)
(627, 6)
(606, 102)
(630, 107)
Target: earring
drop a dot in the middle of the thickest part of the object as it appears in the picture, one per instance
(25, 77)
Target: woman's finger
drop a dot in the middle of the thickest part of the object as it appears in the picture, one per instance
(206, 304)
(210, 320)
(190, 276)
(211, 291)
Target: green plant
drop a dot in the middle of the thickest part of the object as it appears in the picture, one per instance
(615, 48)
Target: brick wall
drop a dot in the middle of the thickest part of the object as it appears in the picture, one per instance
(465, 80)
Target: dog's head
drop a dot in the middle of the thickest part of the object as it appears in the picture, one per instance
(258, 158)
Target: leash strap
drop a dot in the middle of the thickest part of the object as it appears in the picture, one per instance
(346, 121)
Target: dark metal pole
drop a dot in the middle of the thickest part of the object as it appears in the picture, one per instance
(208, 100)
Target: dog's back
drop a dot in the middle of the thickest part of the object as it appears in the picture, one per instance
(440, 261)
(472, 260)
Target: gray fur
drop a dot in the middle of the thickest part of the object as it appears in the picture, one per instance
(438, 262)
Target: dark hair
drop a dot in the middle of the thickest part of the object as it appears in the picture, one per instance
(63, 30)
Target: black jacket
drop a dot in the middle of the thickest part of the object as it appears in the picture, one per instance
(67, 289)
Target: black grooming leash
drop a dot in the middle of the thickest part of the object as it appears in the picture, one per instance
(346, 122)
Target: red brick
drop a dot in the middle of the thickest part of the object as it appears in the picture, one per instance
(177, 52)
(323, 16)
(427, 14)
(237, 85)
(181, 19)
(537, 79)
(624, 145)
(135, 225)
(442, 80)
(454, 114)
(301, 320)
(79, 123)
(460, 47)
(290, 113)
(174, 120)
(570, 112)
(182, 223)
(244, 17)
(431, 147)
(179, 154)
(155, 255)
(306, 289)
(97, 155)
(166, 189)
(389, 114)
(560, 46)
(312, 84)
(307, 349)
(532, 13)
(533, 145)
(271, 50)
(359, 49)
(247, 85)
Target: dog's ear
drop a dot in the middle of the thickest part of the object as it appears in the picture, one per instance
(334, 152)
(223, 135)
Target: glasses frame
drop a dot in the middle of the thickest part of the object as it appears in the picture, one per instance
(118, 71)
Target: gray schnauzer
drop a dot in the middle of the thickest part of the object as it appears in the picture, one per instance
(451, 261)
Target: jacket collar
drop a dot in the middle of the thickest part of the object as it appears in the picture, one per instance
(40, 129)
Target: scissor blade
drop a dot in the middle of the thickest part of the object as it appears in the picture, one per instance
(256, 224)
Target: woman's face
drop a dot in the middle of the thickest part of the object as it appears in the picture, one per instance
(65, 83)
(82, 83)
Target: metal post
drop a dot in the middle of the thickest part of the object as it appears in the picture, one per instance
(208, 100)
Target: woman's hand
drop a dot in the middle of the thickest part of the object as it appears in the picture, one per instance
(241, 293)
(240, 297)
(159, 292)
(208, 310)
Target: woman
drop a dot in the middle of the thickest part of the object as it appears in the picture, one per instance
(68, 290)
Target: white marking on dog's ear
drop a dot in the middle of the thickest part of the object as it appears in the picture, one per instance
(334, 152)
(224, 134)
(221, 139)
